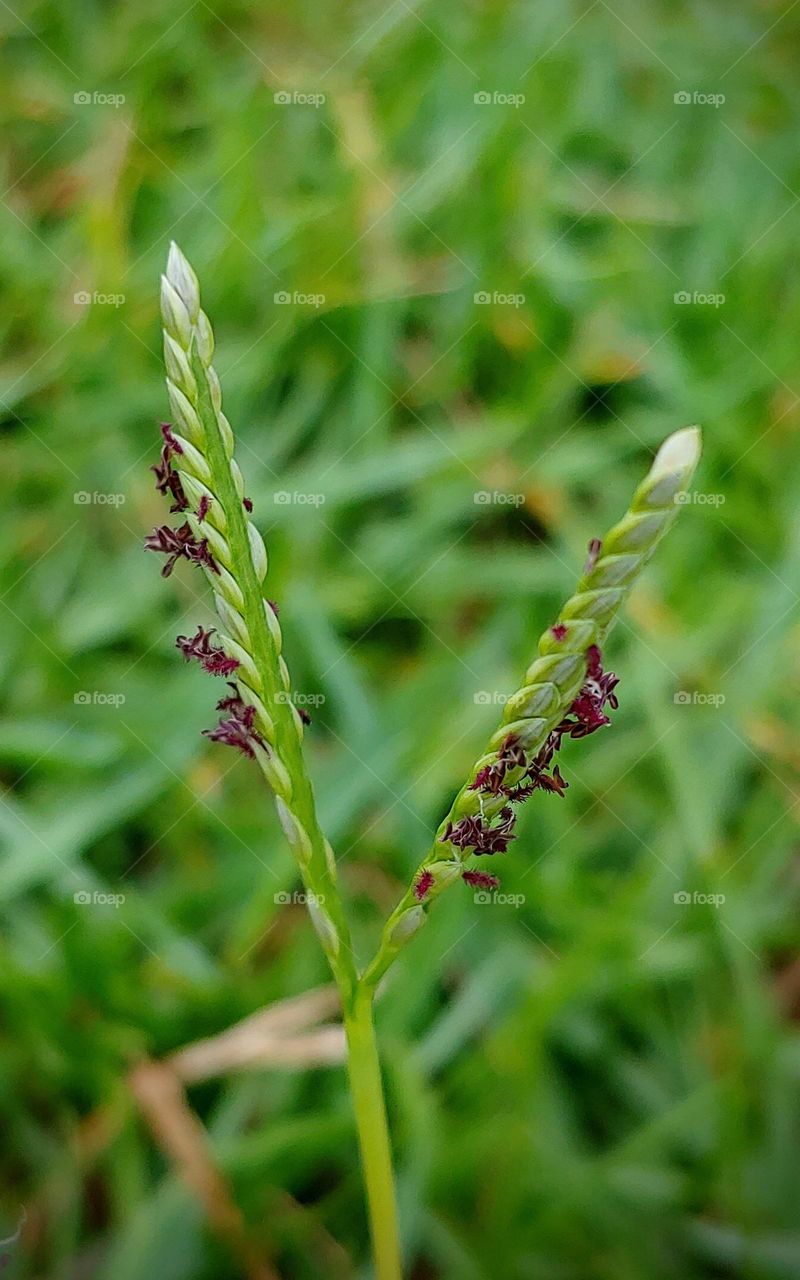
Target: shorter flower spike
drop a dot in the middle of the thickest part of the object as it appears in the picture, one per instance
(212, 659)
(565, 691)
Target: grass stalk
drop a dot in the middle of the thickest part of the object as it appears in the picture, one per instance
(366, 1087)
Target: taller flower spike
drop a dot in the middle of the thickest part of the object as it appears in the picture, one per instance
(199, 471)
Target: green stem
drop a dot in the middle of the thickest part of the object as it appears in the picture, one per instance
(373, 1135)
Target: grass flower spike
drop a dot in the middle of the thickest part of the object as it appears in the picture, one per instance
(566, 694)
(198, 471)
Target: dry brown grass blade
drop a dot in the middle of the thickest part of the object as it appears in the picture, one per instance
(269, 1038)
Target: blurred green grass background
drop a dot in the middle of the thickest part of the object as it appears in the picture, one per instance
(599, 1083)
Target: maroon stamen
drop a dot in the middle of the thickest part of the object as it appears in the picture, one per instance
(236, 729)
(167, 480)
(233, 701)
(480, 880)
(177, 544)
(423, 885)
(502, 777)
(213, 659)
(490, 779)
(169, 439)
(474, 833)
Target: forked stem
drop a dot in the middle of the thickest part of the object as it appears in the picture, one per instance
(366, 1086)
(200, 473)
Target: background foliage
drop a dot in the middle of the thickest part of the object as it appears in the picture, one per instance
(599, 1083)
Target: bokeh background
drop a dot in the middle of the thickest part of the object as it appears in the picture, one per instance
(467, 266)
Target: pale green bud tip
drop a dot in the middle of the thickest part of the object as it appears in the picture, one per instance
(671, 471)
(679, 452)
(184, 281)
